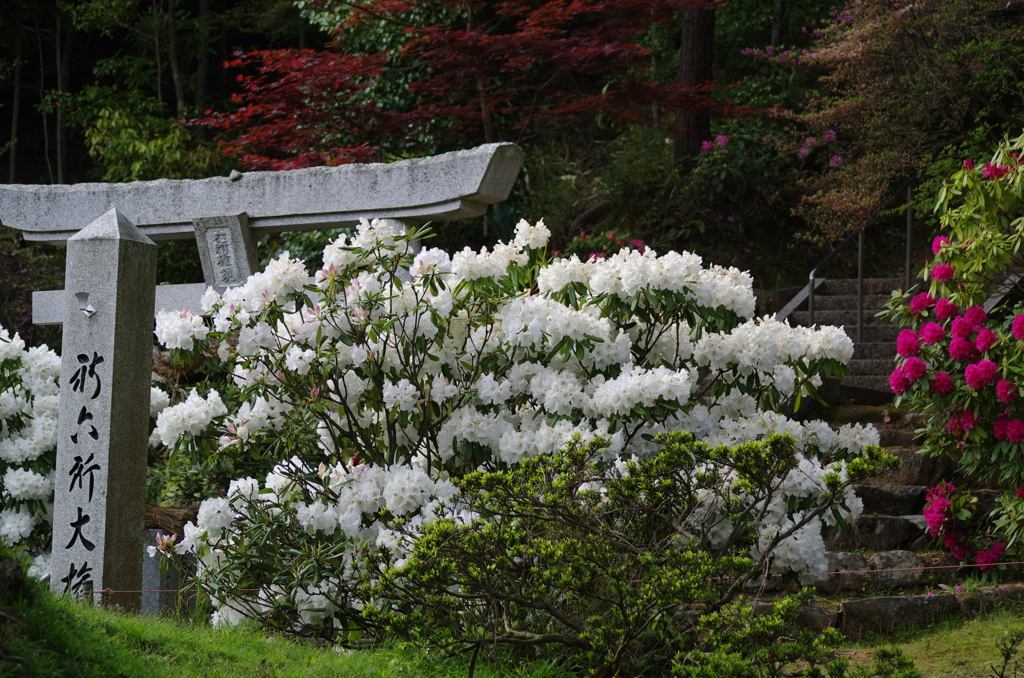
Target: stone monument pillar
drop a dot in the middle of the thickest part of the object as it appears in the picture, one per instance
(105, 377)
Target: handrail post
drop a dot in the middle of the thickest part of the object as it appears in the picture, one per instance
(860, 283)
(910, 226)
(810, 303)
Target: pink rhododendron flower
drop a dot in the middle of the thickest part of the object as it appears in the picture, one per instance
(959, 425)
(952, 541)
(999, 427)
(944, 308)
(942, 272)
(932, 333)
(1020, 493)
(938, 243)
(906, 344)
(935, 514)
(835, 161)
(991, 171)
(1006, 391)
(706, 146)
(968, 164)
(986, 560)
(962, 327)
(914, 369)
(721, 140)
(976, 314)
(941, 383)
(985, 340)
(960, 349)
(1015, 431)
(898, 381)
(981, 375)
(829, 135)
(1017, 328)
(922, 302)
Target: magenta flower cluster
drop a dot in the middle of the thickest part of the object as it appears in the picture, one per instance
(992, 171)
(969, 341)
(942, 272)
(981, 374)
(937, 509)
(938, 515)
(720, 141)
(1010, 430)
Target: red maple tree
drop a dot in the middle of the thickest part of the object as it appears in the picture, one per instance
(471, 70)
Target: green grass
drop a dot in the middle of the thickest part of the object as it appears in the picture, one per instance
(44, 636)
(62, 638)
(954, 649)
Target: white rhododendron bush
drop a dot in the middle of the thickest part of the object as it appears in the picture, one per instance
(394, 371)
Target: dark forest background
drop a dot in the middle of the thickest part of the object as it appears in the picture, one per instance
(755, 132)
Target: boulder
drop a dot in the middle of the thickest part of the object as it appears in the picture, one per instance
(878, 533)
(847, 571)
(898, 568)
(891, 500)
(894, 613)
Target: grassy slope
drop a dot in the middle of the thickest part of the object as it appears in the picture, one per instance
(62, 638)
(954, 649)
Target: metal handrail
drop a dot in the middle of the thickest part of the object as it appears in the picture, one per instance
(909, 186)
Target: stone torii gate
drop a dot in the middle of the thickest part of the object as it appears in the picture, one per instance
(223, 213)
(110, 299)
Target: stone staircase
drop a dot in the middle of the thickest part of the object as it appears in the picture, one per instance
(888, 574)
(835, 303)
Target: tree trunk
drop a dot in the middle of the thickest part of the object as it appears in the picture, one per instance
(696, 54)
(203, 67)
(15, 107)
(655, 110)
(42, 109)
(63, 78)
(173, 61)
(481, 86)
(780, 23)
(159, 66)
(170, 519)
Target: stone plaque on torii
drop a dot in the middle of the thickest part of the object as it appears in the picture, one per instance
(110, 299)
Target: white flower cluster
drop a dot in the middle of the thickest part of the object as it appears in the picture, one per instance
(189, 416)
(28, 434)
(421, 372)
(180, 329)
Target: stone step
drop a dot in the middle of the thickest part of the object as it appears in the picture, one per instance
(883, 533)
(876, 383)
(883, 615)
(845, 319)
(886, 569)
(892, 500)
(894, 613)
(847, 302)
(897, 437)
(883, 286)
(869, 414)
(872, 366)
(875, 350)
(873, 333)
(915, 469)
